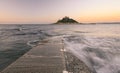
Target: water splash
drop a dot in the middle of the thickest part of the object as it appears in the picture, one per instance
(101, 55)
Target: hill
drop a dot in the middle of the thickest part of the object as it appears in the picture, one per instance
(66, 20)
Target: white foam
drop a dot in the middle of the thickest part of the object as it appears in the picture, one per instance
(65, 72)
(101, 55)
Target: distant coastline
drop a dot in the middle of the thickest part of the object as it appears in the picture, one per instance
(62, 23)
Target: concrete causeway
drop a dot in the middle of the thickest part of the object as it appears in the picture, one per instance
(46, 57)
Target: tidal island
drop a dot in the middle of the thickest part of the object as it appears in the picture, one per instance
(67, 20)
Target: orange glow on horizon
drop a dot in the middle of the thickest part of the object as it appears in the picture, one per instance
(101, 17)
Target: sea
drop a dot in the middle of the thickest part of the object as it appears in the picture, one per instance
(97, 45)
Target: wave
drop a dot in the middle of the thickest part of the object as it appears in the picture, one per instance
(33, 43)
(101, 55)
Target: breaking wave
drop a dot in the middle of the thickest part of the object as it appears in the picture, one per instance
(101, 55)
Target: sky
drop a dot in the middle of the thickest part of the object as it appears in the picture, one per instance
(49, 11)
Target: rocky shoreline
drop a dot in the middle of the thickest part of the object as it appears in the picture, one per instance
(74, 65)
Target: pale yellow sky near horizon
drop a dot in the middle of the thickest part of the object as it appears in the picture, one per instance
(49, 11)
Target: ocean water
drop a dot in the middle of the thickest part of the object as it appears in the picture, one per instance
(97, 45)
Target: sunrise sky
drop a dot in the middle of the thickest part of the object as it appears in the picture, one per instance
(49, 11)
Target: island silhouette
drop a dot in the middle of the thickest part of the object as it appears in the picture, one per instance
(66, 20)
